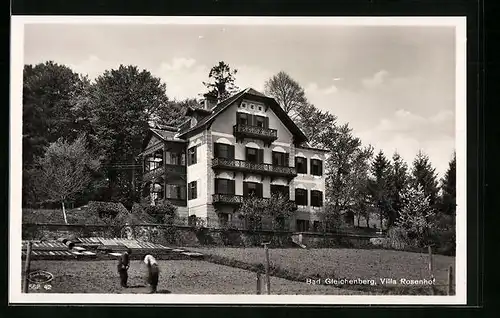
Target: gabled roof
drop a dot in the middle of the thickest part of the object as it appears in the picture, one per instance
(249, 92)
(165, 134)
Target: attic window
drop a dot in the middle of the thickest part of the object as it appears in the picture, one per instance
(260, 107)
(243, 105)
(251, 106)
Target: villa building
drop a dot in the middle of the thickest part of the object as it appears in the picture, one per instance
(228, 150)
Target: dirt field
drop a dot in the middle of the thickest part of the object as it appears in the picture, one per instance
(179, 277)
(344, 263)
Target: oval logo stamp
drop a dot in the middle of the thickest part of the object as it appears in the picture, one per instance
(40, 277)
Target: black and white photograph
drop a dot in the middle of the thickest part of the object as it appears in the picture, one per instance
(238, 160)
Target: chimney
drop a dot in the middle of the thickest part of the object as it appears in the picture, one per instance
(210, 101)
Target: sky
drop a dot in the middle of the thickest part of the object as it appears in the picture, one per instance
(394, 85)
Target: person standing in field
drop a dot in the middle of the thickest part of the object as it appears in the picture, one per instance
(153, 272)
(123, 265)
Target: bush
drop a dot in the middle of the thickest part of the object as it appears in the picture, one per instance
(162, 213)
(106, 210)
(397, 238)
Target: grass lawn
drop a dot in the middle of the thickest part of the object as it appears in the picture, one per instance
(179, 277)
(344, 263)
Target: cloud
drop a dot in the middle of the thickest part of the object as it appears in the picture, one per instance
(178, 64)
(376, 80)
(407, 133)
(313, 91)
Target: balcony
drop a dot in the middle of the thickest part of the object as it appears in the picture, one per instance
(245, 131)
(260, 168)
(153, 174)
(234, 199)
(231, 199)
(167, 171)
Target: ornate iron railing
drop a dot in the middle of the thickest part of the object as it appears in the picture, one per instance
(243, 165)
(227, 198)
(255, 131)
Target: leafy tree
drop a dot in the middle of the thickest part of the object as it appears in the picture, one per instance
(416, 216)
(49, 90)
(221, 80)
(315, 124)
(172, 113)
(64, 171)
(398, 178)
(286, 91)
(379, 186)
(120, 105)
(425, 175)
(254, 209)
(448, 188)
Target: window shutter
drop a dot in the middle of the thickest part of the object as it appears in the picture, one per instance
(237, 118)
(320, 195)
(306, 196)
(195, 190)
(231, 152)
(287, 160)
(216, 150)
(231, 187)
(260, 156)
(216, 185)
(320, 164)
(259, 189)
(195, 154)
(252, 120)
(311, 166)
(266, 122)
(245, 188)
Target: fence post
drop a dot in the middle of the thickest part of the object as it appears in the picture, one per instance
(259, 288)
(268, 280)
(450, 280)
(27, 267)
(433, 288)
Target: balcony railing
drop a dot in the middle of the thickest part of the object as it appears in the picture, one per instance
(175, 169)
(228, 199)
(164, 171)
(153, 174)
(235, 199)
(241, 131)
(247, 166)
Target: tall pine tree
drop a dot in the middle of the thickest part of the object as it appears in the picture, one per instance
(448, 188)
(398, 179)
(425, 175)
(379, 186)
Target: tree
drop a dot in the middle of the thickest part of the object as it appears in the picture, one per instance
(379, 186)
(416, 215)
(448, 188)
(398, 179)
(64, 171)
(317, 125)
(286, 91)
(221, 81)
(254, 209)
(172, 113)
(121, 104)
(425, 175)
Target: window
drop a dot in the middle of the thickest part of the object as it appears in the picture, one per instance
(254, 155)
(280, 159)
(192, 155)
(223, 151)
(301, 196)
(224, 186)
(316, 198)
(242, 118)
(176, 191)
(175, 158)
(192, 190)
(301, 164)
(280, 189)
(260, 121)
(316, 167)
(252, 188)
